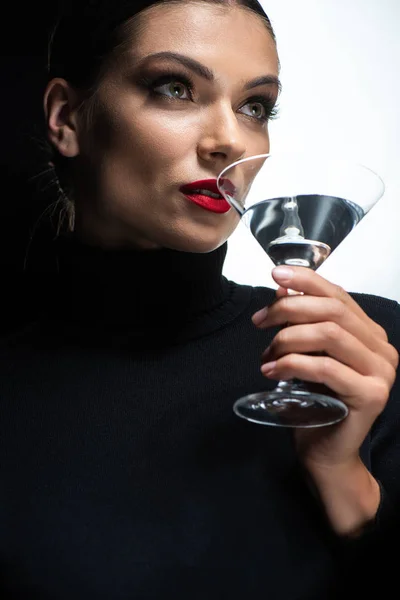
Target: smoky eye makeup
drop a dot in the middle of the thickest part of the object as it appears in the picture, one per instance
(173, 84)
(267, 103)
(157, 82)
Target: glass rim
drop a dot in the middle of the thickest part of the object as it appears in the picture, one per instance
(324, 158)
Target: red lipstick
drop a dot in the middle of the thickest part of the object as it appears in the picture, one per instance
(205, 193)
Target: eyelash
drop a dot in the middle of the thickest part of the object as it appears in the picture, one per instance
(267, 102)
(269, 105)
(152, 83)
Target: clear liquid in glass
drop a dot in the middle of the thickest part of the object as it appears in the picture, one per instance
(303, 230)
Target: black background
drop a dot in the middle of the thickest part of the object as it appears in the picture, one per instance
(25, 227)
(24, 38)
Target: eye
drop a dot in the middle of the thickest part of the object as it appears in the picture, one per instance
(260, 109)
(173, 89)
(256, 110)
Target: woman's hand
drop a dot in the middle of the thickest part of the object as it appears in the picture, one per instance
(357, 363)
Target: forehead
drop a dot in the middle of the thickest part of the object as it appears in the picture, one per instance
(224, 37)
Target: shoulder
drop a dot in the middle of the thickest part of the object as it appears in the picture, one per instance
(257, 294)
(382, 310)
(249, 299)
(375, 303)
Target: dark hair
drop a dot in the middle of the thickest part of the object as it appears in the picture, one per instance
(86, 36)
(93, 28)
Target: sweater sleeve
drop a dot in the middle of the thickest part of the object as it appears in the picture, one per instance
(381, 451)
(385, 433)
(369, 560)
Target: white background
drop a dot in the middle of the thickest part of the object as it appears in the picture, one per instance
(341, 92)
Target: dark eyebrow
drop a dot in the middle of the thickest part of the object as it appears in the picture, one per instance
(264, 80)
(207, 74)
(190, 63)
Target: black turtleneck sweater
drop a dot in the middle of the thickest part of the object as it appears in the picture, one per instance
(124, 473)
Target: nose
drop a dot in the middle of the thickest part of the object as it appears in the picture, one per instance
(222, 141)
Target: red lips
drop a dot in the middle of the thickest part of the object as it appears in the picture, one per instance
(205, 193)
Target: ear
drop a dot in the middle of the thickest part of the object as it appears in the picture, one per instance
(61, 103)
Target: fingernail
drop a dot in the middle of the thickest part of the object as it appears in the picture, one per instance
(267, 368)
(283, 273)
(259, 316)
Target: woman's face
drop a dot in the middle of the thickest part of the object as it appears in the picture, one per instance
(193, 94)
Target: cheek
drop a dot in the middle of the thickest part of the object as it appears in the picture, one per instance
(160, 139)
(130, 136)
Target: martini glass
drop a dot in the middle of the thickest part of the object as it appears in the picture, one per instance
(299, 208)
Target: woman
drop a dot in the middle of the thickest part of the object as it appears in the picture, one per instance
(124, 472)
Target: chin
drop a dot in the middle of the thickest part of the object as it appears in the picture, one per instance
(198, 237)
(196, 244)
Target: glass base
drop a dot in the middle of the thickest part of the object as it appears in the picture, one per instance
(292, 408)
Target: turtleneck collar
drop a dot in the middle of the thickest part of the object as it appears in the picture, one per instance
(142, 293)
(128, 285)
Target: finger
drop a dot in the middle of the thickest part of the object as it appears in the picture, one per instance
(357, 391)
(331, 339)
(261, 314)
(309, 282)
(298, 310)
(281, 292)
